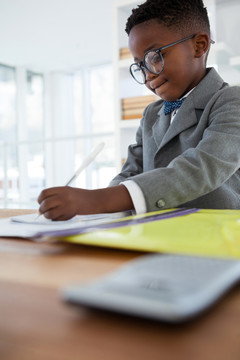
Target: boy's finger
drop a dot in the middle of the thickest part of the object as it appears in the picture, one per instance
(47, 193)
(48, 204)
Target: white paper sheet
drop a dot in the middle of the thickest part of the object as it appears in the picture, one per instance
(29, 226)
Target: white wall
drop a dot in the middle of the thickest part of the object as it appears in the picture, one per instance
(49, 35)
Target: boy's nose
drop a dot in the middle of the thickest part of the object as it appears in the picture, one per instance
(150, 76)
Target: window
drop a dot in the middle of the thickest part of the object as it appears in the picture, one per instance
(34, 150)
(8, 130)
(101, 124)
(49, 125)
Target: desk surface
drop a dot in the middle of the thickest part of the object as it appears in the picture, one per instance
(35, 324)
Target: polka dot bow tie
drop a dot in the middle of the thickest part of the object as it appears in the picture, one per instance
(169, 106)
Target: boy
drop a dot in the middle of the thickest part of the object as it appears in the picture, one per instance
(186, 156)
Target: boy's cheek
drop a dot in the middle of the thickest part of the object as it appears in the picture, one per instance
(148, 86)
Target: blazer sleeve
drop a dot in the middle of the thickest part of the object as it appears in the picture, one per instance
(201, 169)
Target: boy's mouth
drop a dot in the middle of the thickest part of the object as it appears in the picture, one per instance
(155, 87)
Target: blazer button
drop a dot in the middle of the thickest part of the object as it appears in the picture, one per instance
(160, 203)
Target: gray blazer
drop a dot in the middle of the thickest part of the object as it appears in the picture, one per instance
(196, 161)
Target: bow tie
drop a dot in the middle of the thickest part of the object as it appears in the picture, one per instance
(169, 106)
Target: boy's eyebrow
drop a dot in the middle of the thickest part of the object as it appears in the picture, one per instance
(153, 47)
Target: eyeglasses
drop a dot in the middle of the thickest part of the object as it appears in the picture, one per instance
(153, 62)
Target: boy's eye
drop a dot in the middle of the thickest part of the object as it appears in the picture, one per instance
(153, 58)
(156, 58)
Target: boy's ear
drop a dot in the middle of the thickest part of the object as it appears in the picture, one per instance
(201, 43)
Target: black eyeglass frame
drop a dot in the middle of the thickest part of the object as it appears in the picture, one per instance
(142, 64)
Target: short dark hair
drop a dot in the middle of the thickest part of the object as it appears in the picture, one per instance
(184, 16)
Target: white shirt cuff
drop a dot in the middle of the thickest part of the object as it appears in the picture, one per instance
(136, 195)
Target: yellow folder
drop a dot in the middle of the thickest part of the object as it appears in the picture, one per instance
(214, 233)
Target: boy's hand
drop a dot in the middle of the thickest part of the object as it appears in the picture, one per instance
(62, 203)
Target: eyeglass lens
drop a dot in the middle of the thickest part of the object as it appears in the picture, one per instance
(153, 62)
(138, 73)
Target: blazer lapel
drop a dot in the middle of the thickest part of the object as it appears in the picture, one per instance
(163, 131)
(184, 119)
(161, 126)
(187, 114)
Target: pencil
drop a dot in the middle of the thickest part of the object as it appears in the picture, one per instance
(86, 162)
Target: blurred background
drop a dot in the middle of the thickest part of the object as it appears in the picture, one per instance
(58, 96)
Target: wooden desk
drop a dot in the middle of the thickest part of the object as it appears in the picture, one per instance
(36, 325)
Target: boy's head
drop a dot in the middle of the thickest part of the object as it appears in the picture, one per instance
(182, 16)
(169, 71)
